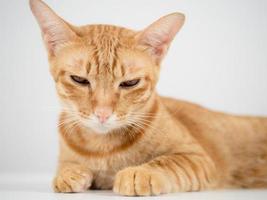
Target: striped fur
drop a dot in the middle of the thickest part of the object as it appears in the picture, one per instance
(156, 145)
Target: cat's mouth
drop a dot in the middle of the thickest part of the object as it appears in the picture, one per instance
(93, 123)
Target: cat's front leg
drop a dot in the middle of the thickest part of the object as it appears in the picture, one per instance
(72, 177)
(173, 173)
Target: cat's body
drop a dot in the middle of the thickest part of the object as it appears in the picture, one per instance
(237, 145)
(116, 132)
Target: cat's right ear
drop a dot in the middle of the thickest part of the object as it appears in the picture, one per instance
(55, 31)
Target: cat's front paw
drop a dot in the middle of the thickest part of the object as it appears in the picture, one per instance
(140, 181)
(72, 179)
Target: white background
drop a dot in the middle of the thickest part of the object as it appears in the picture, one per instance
(219, 59)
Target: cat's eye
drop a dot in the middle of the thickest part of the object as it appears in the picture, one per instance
(80, 80)
(129, 84)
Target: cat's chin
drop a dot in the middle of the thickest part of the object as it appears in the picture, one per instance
(100, 129)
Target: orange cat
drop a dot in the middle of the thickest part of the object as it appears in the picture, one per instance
(117, 132)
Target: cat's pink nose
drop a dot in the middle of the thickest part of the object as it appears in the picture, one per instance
(103, 114)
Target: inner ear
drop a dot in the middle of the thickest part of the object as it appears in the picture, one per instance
(158, 36)
(55, 31)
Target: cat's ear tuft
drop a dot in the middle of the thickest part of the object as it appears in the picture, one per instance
(158, 36)
(55, 30)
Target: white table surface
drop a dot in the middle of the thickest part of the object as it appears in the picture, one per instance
(37, 187)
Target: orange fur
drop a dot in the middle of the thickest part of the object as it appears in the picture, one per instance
(155, 145)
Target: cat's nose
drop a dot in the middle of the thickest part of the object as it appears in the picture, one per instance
(103, 114)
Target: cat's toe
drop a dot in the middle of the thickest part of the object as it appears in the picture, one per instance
(72, 181)
(139, 181)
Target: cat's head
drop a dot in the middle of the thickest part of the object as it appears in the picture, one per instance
(105, 75)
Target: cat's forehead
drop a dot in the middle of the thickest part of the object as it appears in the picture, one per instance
(106, 42)
(88, 61)
(106, 49)
(101, 34)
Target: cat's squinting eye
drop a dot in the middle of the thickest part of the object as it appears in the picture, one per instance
(129, 84)
(80, 80)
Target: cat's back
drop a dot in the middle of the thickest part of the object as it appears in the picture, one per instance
(193, 114)
(205, 123)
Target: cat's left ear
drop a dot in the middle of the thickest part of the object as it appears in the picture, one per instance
(158, 36)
